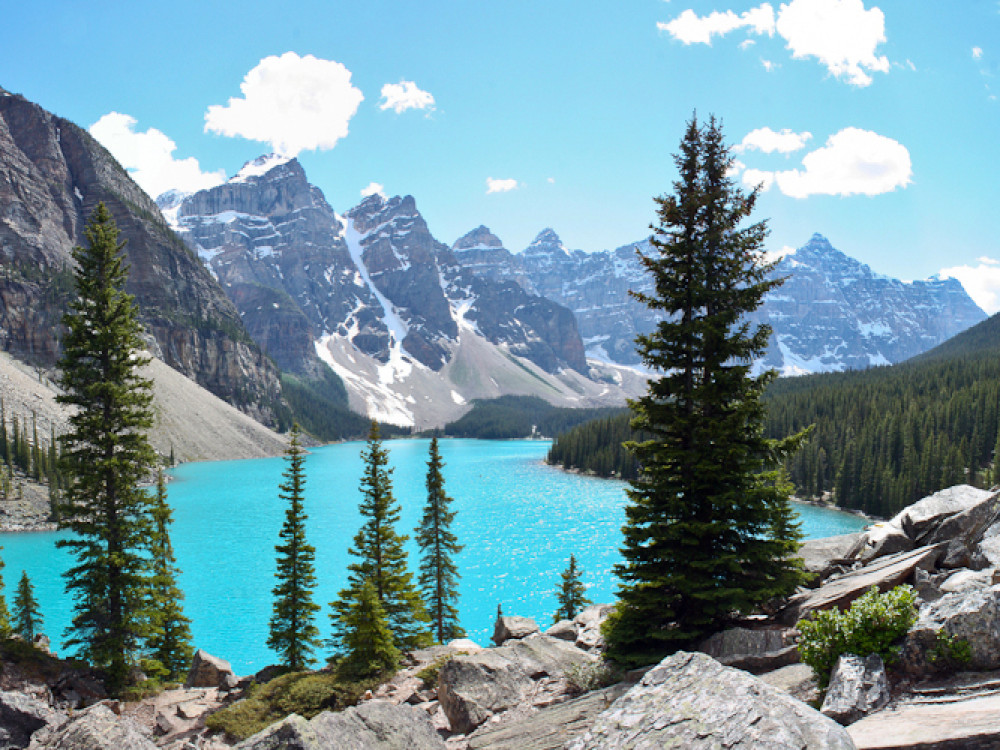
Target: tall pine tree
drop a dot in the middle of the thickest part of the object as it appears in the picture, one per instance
(709, 531)
(106, 454)
(438, 544)
(169, 641)
(572, 594)
(293, 633)
(381, 558)
(27, 613)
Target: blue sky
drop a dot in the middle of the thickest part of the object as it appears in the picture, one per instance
(873, 123)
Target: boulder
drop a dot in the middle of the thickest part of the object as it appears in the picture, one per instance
(464, 644)
(564, 630)
(880, 540)
(798, 680)
(971, 615)
(919, 519)
(588, 626)
(964, 531)
(988, 550)
(858, 686)
(211, 672)
(885, 573)
(507, 628)
(96, 728)
(756, 651)
(474, 687)
(689, 700)
(968, 724)
(821, 557)
(373, 724)
(20, 717)
(967, 580)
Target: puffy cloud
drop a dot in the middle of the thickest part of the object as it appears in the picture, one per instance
(852, 162)
(293, 103)
(982, 282)
(754, 177)
(500, 186)
(148, 157)
(690, 28)
(374, 188)
(405, 95)
(977, 52)
(769, 141)
(772, 256)
(841, 34)
(768, 65)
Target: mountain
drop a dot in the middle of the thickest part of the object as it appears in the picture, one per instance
(832, 313)
(413, 335)
(52, 175)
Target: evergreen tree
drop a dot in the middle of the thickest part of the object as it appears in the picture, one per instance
(27, 617)
(438, 575)
(293, 633)
(106, 454)
(572, 594)
(381, 558)
(5, 629)
(709, 530)
(368, 644)
(169, 642)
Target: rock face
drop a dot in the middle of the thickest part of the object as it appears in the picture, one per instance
(969, 724)
(52, 175)
(690, 700)
(970, 615)
(20, 717)
(97, 728)
(858, 686)
(210, 671)
(756, 651)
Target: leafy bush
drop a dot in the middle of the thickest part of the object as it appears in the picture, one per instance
(873, 624)
(583, 678)
(429, 674)
(949, 652)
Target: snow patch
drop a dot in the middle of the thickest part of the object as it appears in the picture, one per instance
(259, 167)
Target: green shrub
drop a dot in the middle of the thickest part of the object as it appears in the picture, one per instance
(582, 678)
(949, 652)
(873, 625)
(429, 674)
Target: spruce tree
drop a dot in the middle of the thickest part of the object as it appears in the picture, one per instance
(27, 615)
(169, 642)
(438, 575)
(368, 644)
(572, 594)
(709, 531)
(381, 558)
(293, 633)
(5, 628)
(106, 454)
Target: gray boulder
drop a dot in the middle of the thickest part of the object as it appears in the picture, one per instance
(919, 519)
(822, 557)
(756, 651)
(210, 672)
(798, 680)
(374, 725)
(691, 701)
(971, 615)
(964, 532)
(507, 628)
(858, 686)
(474, 687)
(967, 580)
(963, 724)
(96, 728)
(880, 540)
(588, 626)
(20, 717)
(564, 630)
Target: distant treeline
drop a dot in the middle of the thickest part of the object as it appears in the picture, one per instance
(510, 417)
(883, 437)
(22, 452)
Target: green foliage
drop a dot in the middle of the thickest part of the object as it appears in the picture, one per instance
(583, 678)
(709, 531)
(598, 447)
(5, 626)
(320, 406)
(367, 642)
(27, 613)
(438, 544)
(169, 640)
(382, 560)
(429, 674)
(572, 594)
(873, 625)
(302, 693)
(949, 651)
(106, 455)
(293, 634)
(510, 417)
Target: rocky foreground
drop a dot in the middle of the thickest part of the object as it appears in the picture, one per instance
(745, 688)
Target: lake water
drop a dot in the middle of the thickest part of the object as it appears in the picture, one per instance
(519, 521)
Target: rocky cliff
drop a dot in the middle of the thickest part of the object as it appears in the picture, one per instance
(52, 175)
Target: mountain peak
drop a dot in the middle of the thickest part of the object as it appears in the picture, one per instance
(481, 236)
(261, 166)
(547, 242)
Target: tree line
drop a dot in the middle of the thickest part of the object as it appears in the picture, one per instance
(23, 454)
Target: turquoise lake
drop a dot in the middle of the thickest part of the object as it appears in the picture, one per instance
(519, 521)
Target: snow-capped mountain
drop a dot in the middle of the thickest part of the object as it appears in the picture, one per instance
(833, 312)
(412, 333)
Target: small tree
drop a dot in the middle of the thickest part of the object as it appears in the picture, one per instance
(169, 641)
(438, 574)
(381, 557)
(368, 643)
(5, 629)
(572, 593)
(27, 615)
(106, 455)
(293, 634)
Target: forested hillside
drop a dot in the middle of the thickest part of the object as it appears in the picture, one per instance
(520, 417)
(883, 438)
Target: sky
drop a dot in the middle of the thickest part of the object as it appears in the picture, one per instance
(874, 123)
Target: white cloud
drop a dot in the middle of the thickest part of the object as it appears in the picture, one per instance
(977, 52)
(769, 141)
(747, 43)
(500, 186)
(148, 157)
(982, 282)
(293, 103)
(841, 34)
(551, 180)
(403, 96)
(853, 162)
(754, 177)
(690, 28)
(771, 256)
(768, 65)
(988, 261)
(374, 188)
